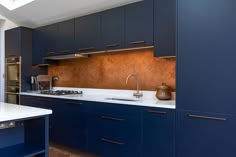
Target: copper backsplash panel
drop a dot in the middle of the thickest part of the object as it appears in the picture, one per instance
(109, 71)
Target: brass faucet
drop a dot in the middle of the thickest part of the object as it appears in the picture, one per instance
(137, 94)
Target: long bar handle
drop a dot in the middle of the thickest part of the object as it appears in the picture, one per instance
(157, 112)
(111, 141)
(137, 42)
(207, 117)
(86, 49)
(112, 45)
(51, 53)
(111, 118)
(64, 51)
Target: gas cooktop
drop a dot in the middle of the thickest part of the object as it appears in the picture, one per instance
(61, 92)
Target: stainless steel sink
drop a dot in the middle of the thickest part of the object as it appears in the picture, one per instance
(122, 99)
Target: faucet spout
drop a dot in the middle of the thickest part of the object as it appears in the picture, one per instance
(138, 94)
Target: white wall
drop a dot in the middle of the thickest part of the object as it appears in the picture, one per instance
(5, 24)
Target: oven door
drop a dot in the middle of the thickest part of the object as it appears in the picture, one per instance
(12, 98)
(13, 74)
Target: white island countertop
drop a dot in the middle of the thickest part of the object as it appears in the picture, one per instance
(9, 112)
(102, 95)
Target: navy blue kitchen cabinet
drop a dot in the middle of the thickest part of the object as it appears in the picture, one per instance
(29, 137)
(205, 134)
(113, 28)
(13, 42)
(165, 28)
(114, 130)
(70, 124)
(39, 47)
(37, 53)
(158, 135)
(50, 40)
(41, 102)
(66, 37)
(139, 24)
(18, 43)
(88, 33)
(205, 60)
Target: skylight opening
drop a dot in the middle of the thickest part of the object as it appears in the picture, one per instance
(13, 4)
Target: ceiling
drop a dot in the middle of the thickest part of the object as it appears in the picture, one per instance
(43, 12)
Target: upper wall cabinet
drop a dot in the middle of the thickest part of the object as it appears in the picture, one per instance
(12, 42)
(139, 24)
(88, 33)
(44, 44)
(165, 27)
(37, 46)
(49, 39)
(66, 36)
(113, 28)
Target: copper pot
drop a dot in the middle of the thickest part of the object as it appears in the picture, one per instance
(163, 92)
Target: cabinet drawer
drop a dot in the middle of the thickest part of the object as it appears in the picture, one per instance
(110, 147)
(116, 109)
(117, 127)
(76, 105)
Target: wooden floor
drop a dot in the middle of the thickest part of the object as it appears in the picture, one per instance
(61, 151)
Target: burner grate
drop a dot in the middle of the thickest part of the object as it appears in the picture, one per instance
(61, 92)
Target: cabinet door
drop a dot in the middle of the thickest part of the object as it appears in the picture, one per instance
(206, 56)
(66, 36)
(165, 27)
(12, 42)
(70, 124)
(158, 132)
(37, 53)
(205, 134)
(139, 24)
(113, 28)
(50, 37)
(88, 33)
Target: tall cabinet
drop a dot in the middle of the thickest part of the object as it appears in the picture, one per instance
(206, 78)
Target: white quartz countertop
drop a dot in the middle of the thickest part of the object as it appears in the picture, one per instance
(102, 95)
(9, 112)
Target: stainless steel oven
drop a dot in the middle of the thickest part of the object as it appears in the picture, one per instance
(12, 79)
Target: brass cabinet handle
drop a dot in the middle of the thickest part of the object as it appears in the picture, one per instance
(86, 49)
(112, 45)
(157, 112)
(111, 141)
(12, 93)
(77, 103)
(207, 117)
(16, 63)
(111, 118)
(51, 53)
(64, 51)
(137, 42)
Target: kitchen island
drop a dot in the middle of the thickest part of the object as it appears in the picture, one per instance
(24, 131)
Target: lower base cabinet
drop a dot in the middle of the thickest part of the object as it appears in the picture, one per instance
(205, 134)
(158, 132)
(70, 124)
(109, 130)
(114, 130)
